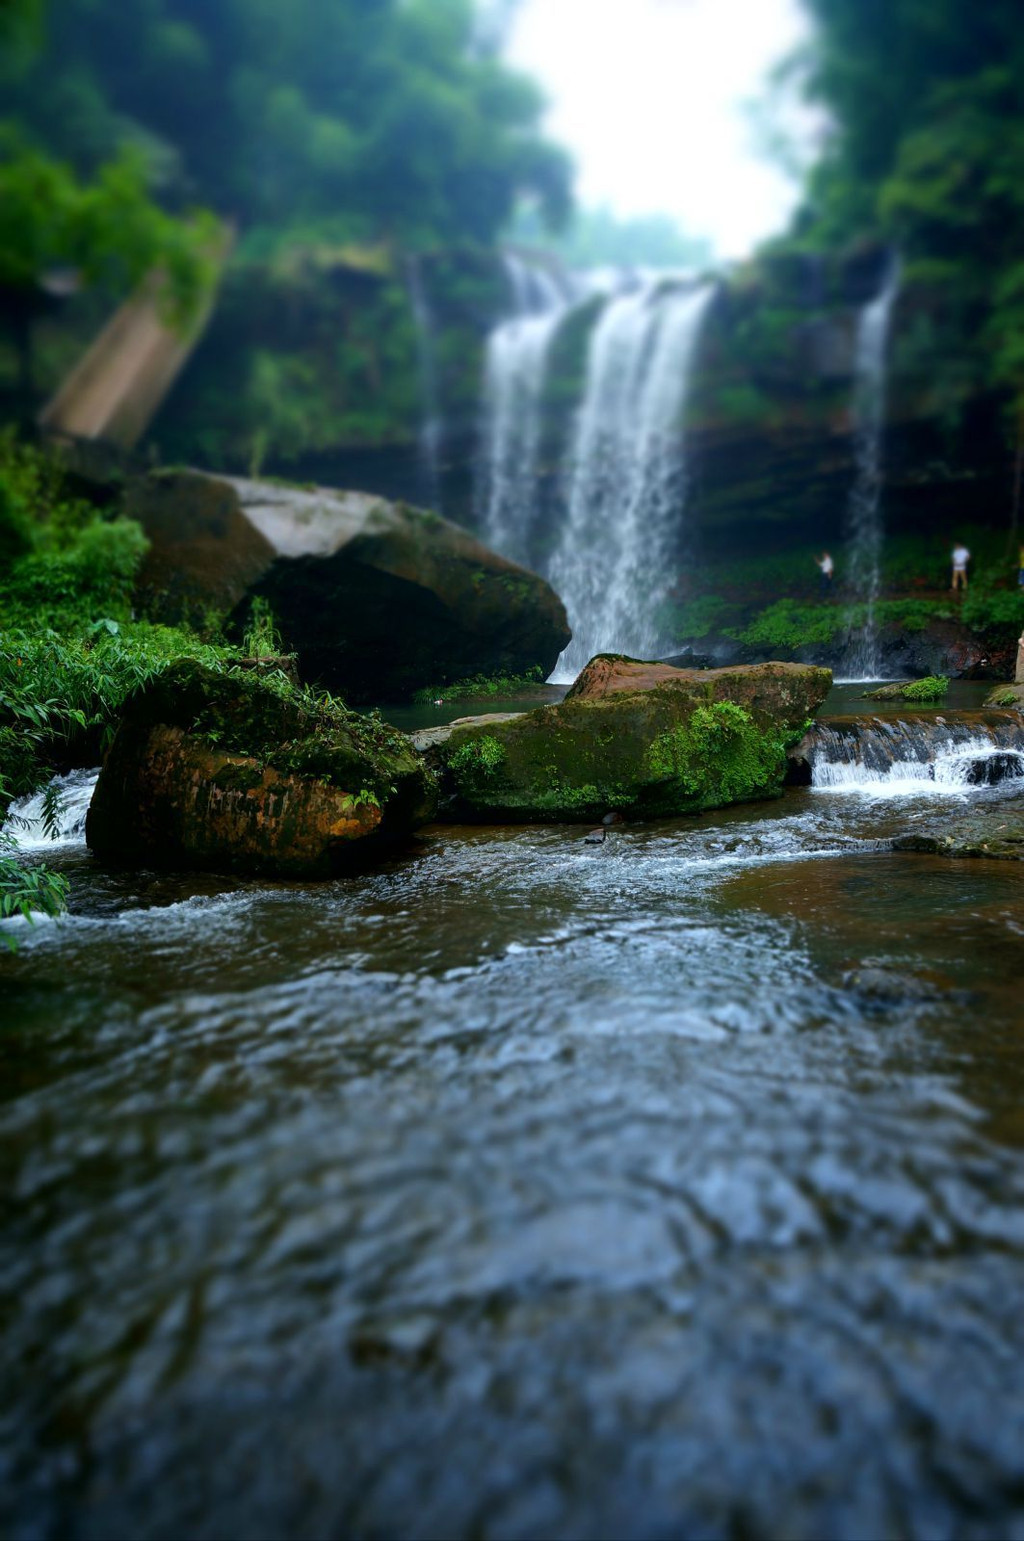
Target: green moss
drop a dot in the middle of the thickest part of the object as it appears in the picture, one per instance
(282, 726)
(719, 756)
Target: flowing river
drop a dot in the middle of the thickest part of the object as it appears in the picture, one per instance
(525, 1188)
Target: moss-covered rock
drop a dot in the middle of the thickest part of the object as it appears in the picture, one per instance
(689, 741)
(240, 772)
(1006, 695)
(928, 690)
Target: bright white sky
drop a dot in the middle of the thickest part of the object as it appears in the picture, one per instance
(649, 97)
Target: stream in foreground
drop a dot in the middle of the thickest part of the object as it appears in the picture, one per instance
(524, 1188)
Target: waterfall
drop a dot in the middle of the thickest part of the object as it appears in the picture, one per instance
(431, 434)
(515, 369)
(25, 821)
(864, 516)
(626, 472)
(898, 757)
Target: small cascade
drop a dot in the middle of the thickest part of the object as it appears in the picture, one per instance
(26, 824)
(431, 435)
(866, 530)
(895, 757)
(626, 472)
(514, 375)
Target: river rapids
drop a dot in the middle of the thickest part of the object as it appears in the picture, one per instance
(525, 1188)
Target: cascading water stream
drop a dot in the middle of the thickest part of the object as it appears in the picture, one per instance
(431, 434)
(861, 660)
(26, 821)
(626, 472)
(516, 363)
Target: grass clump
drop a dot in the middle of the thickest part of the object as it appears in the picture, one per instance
(932, 688)
(480, 686)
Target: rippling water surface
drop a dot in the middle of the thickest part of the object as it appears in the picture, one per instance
(523, 1188)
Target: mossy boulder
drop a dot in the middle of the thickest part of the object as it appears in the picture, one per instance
(1006, 695)
(377, 598)
(690, 740)
(241, 772)
(925, 691)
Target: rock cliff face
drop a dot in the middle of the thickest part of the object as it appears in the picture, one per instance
(376, 598)
(231, 772)
(640, 739)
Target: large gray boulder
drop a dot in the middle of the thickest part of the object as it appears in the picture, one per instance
(377, 598)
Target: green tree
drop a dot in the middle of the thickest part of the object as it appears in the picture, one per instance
(380, 117)
(927, 104)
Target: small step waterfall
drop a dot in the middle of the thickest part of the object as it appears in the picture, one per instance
(625, 473)
(516, 361)
(25, 822)
(864, 517)
(902, 757)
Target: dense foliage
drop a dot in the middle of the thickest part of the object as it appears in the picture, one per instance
(361, 118)
(927, 99)
(70, 650)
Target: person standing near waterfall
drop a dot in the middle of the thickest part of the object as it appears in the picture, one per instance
(961, 557)
(827, 566)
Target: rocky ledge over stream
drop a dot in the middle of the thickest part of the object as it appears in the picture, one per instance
(376, 598)
(639, 738)
(236, 773)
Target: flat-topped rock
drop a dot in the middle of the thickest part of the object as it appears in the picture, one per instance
(681, 742)
(769, 691)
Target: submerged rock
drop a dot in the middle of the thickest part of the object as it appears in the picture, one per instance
(234, 772)
(377, 598)
(996, 832)
(642, 739)
(881, 983)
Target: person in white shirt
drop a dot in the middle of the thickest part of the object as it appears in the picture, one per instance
(827, 569)
(961, 557)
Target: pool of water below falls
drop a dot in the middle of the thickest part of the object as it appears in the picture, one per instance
(524, 1188)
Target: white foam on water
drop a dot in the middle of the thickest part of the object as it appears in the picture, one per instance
(25, 822)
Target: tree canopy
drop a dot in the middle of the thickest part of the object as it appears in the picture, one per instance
(379, 118)
(927, 150)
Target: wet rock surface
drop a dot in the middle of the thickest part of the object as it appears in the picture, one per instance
(996, 832)
(377, 598)
(228, 773)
